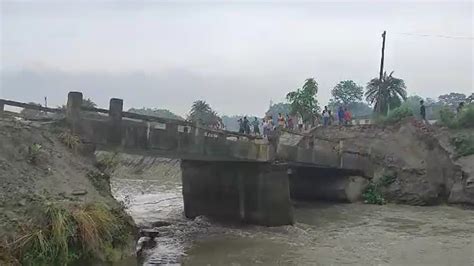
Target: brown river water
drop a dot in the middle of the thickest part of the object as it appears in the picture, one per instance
(324, 233)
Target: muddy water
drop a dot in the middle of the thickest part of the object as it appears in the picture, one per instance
(324, 234)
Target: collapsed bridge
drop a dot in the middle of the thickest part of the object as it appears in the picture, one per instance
(225, 174)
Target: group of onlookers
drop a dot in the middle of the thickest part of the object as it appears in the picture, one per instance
(344, 116)
(293, 123)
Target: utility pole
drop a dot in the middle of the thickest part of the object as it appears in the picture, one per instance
(383, 53)
(381, 67)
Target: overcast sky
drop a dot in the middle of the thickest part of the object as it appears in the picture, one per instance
(237, 56)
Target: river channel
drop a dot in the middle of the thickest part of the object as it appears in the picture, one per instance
(324, 233)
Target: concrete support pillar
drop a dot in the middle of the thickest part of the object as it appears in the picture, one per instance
(256, 193)
(115, 121)
(73, 111)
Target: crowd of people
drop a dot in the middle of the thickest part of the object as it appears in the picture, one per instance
(344, 116)
(267, 125)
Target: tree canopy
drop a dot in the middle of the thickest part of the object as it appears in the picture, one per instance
(347, 92)
(202, 112)
(303, 101)
(386, 93)
(452, 99)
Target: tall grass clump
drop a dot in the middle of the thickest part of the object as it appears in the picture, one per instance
(63, 235)
(69, 139)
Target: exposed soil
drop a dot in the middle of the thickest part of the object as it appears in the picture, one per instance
(419, 158)
(36, 167)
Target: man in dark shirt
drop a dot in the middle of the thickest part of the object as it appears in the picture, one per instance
(422, 110)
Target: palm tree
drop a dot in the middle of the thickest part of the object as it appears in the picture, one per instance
(386, 93)
(202, 112)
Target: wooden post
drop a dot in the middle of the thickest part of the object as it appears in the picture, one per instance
(73, 111)
(115, 121)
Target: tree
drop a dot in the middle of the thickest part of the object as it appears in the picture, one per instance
(277, 108)
(163, 113)
(88, 103)
(202, 112)
(452, 99)
(303, 101)
(347, 92)
(386, 93)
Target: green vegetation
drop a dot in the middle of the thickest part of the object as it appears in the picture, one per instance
(34, 151)
(373, 194)
(464, 119)
(386, 93)
(62, 235)
(202, 112)
(464, 144)
(395, 116)
(347, 92)
(70, 140)
(303, 101)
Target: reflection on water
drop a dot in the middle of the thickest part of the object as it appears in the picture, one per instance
(324, 234)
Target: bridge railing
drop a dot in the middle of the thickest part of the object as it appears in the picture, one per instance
(74, 108)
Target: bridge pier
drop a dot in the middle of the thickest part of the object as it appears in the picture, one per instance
(251, 192)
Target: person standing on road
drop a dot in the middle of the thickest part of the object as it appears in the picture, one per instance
(423, 110)
(246, 126)
(347, 117)
(340, 115)
(281, 121)
(256, 129)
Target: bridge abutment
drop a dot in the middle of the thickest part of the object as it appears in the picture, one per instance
(328, 184)
(251, 192)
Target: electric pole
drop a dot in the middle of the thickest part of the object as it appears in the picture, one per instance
(383, 52)
(381, 69)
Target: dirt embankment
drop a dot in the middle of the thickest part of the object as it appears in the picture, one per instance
(37, 171)
(416, 162)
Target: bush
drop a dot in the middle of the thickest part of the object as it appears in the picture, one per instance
(447, 117)
(395, 115)
(463, 144)
(464, 119)
(373, 194)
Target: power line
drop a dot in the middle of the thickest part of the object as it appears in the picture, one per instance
(435, 35)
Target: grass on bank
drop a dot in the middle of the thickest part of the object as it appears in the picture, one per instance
(64, 235)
